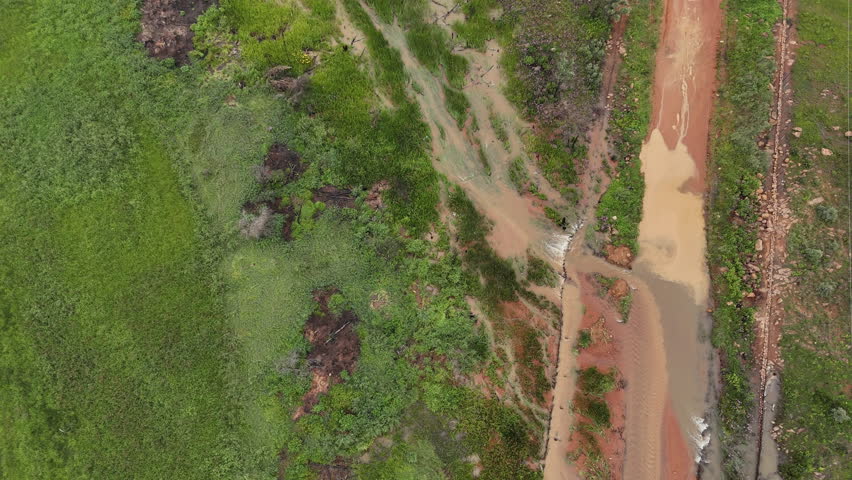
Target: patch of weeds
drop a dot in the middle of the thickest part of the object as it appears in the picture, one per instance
(431, 47)
(540, 273)
(457, 104)
(483, 160)
(584, 339)
(624, 305)
(518, 175)
(553, 57)
(498, 124)
(478, 26)
(556, 159)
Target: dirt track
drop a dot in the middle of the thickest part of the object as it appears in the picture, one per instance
(770, 314)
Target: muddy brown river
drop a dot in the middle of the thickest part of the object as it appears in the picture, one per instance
(667, 359)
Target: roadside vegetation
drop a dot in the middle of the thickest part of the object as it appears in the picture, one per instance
(737, 165)
(814, 420)
(620, 209)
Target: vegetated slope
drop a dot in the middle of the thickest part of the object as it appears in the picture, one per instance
(159, 264)
(620, 208)
(813, 427)
(736, 167)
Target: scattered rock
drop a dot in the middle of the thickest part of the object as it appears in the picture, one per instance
(826, 152)
(619, 288)
(758, 245)
(621, 256)
(815, 201)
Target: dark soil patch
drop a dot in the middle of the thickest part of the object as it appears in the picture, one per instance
(270, 217)
(165, 27)
(281, 164)
(338, 197)
(336, 471)
(335, 347)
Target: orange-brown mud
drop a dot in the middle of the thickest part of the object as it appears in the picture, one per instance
(685, 79)
(605, 354)
(672, 242)
(676, 455)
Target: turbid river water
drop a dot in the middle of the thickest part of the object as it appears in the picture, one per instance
(666, 357)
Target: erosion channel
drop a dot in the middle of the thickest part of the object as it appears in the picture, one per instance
(662, 350)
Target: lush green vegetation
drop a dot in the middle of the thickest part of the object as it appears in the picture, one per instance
(742, 113)
(388, 68)
(553, 56)
(478, 26)
(815, 404)
(557, 162)
(457, 104)
(430, 46)
(620, 208)
(145, 338)
(594, 382)
(592, 385)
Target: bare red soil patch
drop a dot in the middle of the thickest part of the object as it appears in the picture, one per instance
(620, 288)
(620, 256)
(596, 453)
(335, 347)
(165, 27)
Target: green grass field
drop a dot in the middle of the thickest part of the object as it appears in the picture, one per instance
(815, 347)
(143, 337)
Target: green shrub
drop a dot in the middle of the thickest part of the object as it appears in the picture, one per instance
(584, 339)
(813, 256)
(826, 213)
(593, 382)
(457, 104)
(598, 412)
(518, 174)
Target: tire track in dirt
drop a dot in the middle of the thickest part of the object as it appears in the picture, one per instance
(770, 314)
